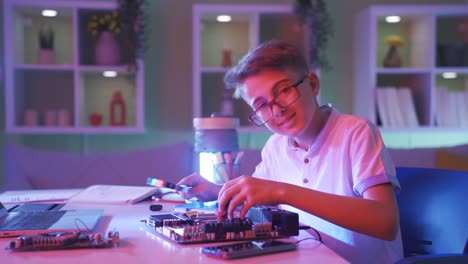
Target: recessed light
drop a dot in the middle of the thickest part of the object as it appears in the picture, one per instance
(392, 19)
(223, 18)
(109, 74)
(49, 13)
(449, 75)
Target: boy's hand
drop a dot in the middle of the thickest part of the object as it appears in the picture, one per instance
(247, 191)
(195, 185)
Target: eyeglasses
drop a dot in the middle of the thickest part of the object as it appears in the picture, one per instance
(285, 97)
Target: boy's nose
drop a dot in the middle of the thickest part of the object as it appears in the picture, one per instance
(277, 109)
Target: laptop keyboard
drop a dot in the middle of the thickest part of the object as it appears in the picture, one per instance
(32, 220)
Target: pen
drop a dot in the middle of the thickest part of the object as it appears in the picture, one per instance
(183, 188)
(227, 157)
(219, 157)
(238, 157)
(160, 183)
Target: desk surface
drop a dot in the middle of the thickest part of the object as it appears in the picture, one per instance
(139, 244)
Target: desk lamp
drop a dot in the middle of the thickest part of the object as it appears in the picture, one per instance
(217, 145)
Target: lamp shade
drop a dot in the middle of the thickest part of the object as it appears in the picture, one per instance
(216, 134)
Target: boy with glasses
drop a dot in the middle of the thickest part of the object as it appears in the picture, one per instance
(331, 168)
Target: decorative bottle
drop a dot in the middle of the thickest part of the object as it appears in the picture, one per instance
(117, 110)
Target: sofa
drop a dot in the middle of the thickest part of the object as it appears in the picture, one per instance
(30, 168)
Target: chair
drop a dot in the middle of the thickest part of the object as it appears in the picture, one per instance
(433, 206)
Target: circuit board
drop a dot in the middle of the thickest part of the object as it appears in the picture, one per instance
(260, 224)
(64, 240)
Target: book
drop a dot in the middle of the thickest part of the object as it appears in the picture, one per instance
(462, 117)
(116, 194)
(452, 110)
(392, 105)
(26, 196)
(382, 107)
(407, 107)
(441, 106)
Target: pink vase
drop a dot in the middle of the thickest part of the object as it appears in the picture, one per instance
(107, 50)
(46, 56)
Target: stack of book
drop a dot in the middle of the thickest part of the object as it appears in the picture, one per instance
(396, 107)
(451, 107)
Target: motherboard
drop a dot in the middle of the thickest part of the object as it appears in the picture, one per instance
(261, 223)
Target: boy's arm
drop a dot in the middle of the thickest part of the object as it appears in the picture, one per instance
(376, 214)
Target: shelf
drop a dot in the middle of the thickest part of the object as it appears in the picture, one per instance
(75, 130)
(58, 95)
(382, 70)
(44, 67)
(423, 29)
(250, 25)
(222, 70)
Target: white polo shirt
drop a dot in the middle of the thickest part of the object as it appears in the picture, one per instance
(347, 157)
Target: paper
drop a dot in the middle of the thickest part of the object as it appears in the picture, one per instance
(24, 196)
(117, 194)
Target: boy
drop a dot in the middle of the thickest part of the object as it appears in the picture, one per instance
(331, 168)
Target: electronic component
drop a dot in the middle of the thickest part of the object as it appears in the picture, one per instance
(286, 223)
(156, 207)
(248, 249)
(203, 228)
(64, 240)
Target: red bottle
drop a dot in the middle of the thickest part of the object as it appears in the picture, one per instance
(117, 110)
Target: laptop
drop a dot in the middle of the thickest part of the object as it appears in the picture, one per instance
(39, 222)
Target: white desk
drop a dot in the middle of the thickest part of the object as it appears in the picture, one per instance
(139, 244)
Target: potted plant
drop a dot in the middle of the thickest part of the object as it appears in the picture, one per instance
(393, 58)
(105, 26)
(313, 14)
(46, 45)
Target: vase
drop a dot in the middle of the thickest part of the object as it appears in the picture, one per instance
(392, 58)
(117, 110)
(46, 56)
(107, 49)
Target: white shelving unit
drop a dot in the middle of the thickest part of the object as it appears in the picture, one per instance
(73, 85)
(426, 30)
(250, 25)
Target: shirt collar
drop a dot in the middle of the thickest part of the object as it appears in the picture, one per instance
(293, 144)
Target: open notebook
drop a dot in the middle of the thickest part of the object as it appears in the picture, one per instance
(38, 222)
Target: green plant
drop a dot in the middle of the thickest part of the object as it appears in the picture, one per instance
(46, 37)
(132, 14)
(313, 14)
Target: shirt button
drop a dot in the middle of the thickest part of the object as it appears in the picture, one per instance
(306, 160)
(305, 180)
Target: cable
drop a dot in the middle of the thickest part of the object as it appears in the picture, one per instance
(318, 237)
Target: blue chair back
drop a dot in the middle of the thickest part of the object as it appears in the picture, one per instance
(433, 206)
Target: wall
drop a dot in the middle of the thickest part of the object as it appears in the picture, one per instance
(168, 75)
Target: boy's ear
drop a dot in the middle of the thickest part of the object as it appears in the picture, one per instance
(314, 82)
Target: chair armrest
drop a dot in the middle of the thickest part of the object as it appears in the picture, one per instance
(435, 259)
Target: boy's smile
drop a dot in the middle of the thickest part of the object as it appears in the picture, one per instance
(300, 120)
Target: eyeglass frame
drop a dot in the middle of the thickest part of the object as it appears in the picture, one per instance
(254, 115)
